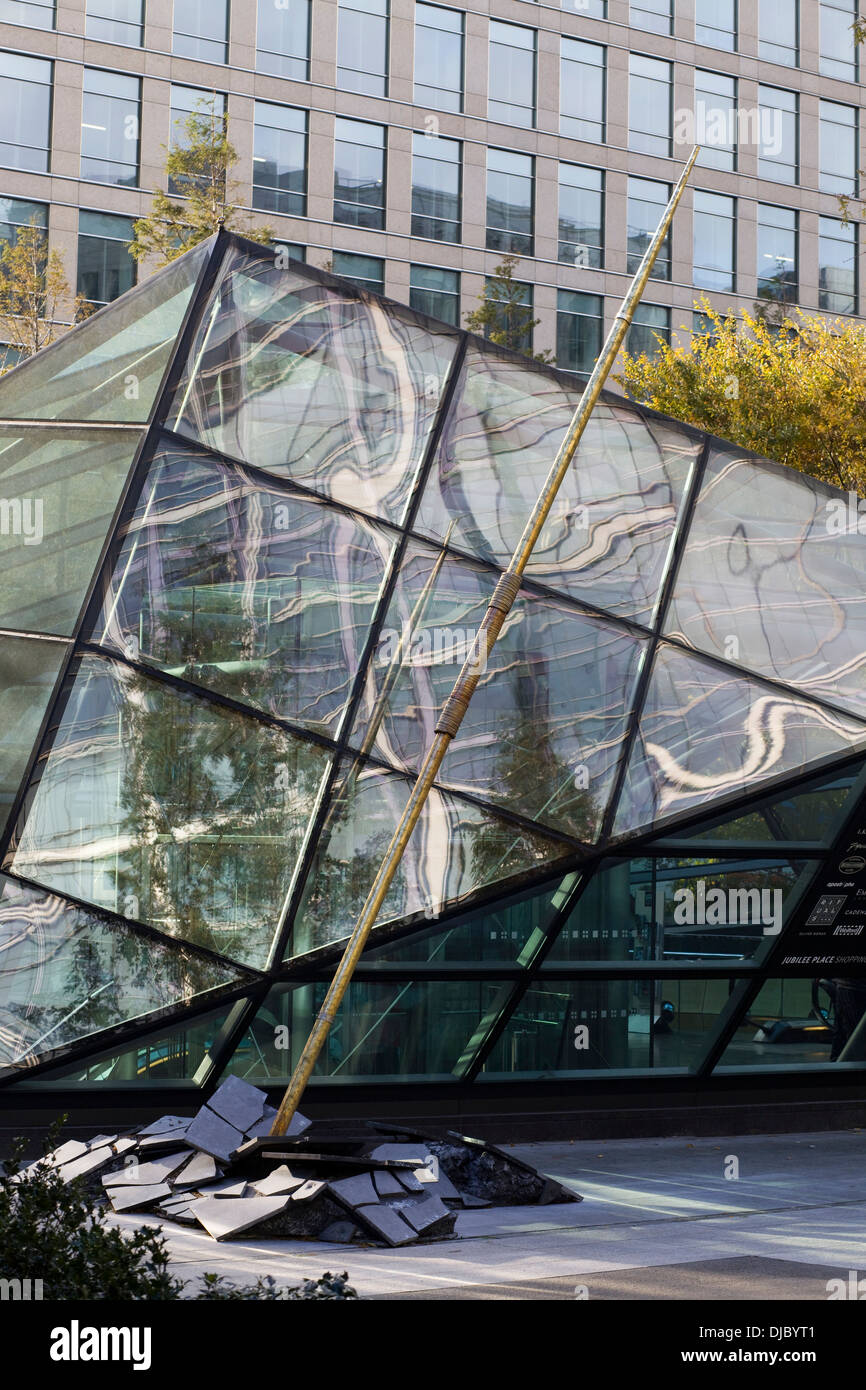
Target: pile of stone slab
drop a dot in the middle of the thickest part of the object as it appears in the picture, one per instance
(222, 1172)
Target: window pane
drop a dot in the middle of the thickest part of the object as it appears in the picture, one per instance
(201, 30)
(116, 21)
(714, 240)
(512, 74)
(838, 50)
(34, 14)
(838, 143)
(579, 325)
(187, 102)
(436, 174)
(438, 57)
(25, 112)
(16, 213)
(359, 174)
(509, 201)
(647, 200)
(362, 47)
(778, 152)
(777, 253)
(110, 110)
(716, 119)
(651, 322)
(837, 266)
(649, 105)
(582, 83)
(778, 32)
(367, 272)
(280, 160)
(435, 292)
(655, 15)
(105, 268)
(283, 40)
(716, 23)
(28, 671)
(581, 215)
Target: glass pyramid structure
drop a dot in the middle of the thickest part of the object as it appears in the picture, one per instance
(251, 518)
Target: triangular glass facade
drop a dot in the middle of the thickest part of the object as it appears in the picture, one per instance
(252, 516)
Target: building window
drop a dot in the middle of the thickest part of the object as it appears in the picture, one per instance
(438, 57)
(116, 21)
(838, 148)
(581, 216)
(716, 119)
(30, 13)
(777, 253)
(25, 112)
(581, 87)
(201, 30)
(362, 47)
(779, 31)
(514, 322)
(837, 47)
(291, 250)
(837, 266)
(651, 322)
(359, 174)
(436, 187)
(280, 160)
(511, 96)
(649, 105)
(17, 213)
(655, 15)
(579, 325)
(716, 24)
(713, 231)
(368, 272)
(509, 202)
(778, 134)
(187, 102)
(109, 127)
(283, 39)
(435, 292)
(588, 9)
(105, 268)
(647, 200)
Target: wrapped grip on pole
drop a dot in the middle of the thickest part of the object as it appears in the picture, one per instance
(498, 608)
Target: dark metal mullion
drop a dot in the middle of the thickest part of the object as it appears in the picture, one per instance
(741, 999)
(137, 470)
(680, 539)
(228, 1043)
(389, 585)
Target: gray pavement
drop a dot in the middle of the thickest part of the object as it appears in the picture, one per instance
(659, 1220)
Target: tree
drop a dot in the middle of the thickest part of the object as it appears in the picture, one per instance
(503, 316)
(795, 393)
(198, 171)
(33, 293)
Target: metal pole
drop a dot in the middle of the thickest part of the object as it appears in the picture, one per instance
(458, 701)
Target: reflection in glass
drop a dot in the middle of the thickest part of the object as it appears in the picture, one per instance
(333, 391)
(59, 490)
(454, 849)
(706, 732)
(28, 671)
(608, 537)
(67, 974)
(774, 563)
(786, 1026)
(543, 733)
(110, 366)
(257, 594)
(163, 807)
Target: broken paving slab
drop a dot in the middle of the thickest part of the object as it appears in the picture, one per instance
(340, 1232)
(429, 1216)
(239, 1103)
(401, 1153)
(224, 1219)
(213, 1135)
(131, 1198)
(388, 1184)
(280, 1180)
(166, 1123)
(387, 1223)
(224, 1188)
(88, 1165)
(409, 1181)
(73, 1148)
(310, 1189)
(201, 1168)
(355, 1192)
(144, 1174)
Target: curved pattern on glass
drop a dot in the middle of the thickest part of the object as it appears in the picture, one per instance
(455, 849)
(111, 365)
(251, 592)
(28, 672)
(772, 578)
(608, 538)
(545, 729)
(66, 974)
(164, 807)
(335, 391)
(58, 492)
(705, 733)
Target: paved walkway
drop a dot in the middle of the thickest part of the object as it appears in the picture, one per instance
(659, 1220)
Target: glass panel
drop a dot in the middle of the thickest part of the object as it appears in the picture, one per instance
(838, 50)
(455, 848)
(579, 324)
(683, 910)
(654, 15)
(511, 91)
(438, 57)
(259, 595)
(837, 265)
(597, 1027)
(436, 168)
(68, 974)
(28, 671)
(581, 216)
(105, 268)
(777, 253)
(201, 30)
(713, 227)
(110, 112)
(545, 727)
(797, 1024)
(110, 366)
(333, 391)
(359, 174)
(367, 272)
(35, 14)
(706, 733)
(283, 38)
(716, 119)
(435, 292)
(778, 151)
(510, 195)
(778, 31)
(716, 23)
(58, 493)
(838, 148)
(362, 47)
(25, 112)
(280, 159)
(166, 808)
(647, 200)
(772, 578)
(649, 96)
(581, 83)
(608, 537)
(115, 21)
(650, 330)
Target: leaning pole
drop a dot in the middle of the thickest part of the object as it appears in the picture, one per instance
(456, 705)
